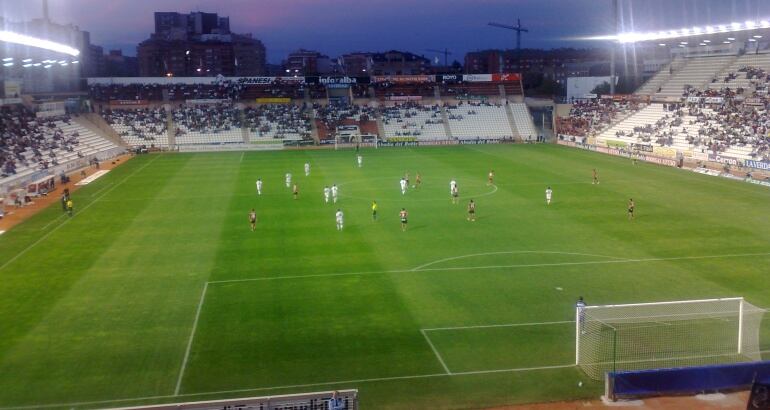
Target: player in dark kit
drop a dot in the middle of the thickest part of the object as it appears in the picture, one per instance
(596, 177)
(403, 215)
(631, 206)
(472, 211)
(253, 219)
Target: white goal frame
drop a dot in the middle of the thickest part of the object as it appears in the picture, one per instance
(663, 323)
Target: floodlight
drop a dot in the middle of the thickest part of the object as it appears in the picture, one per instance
(16, 38)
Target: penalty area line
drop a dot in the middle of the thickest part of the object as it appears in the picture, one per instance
(190, 340)
(435, 351)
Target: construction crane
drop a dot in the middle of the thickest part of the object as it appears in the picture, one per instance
(517, 28)
(445, 52)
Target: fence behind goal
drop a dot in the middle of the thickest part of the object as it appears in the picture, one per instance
(302, 401)
(666, 334)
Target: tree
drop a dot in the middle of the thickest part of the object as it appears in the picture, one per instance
(603, 88)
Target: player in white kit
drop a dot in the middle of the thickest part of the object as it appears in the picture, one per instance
(404, 185)
(327, 192)
(335, 192)
(288, 180)
(360, 160)
(548, 195)
(339, 217)
(307, 169)
(452, 185)
(259, 186)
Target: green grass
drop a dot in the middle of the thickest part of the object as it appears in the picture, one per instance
(101, 306)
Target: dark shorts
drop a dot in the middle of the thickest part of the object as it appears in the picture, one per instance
(403, 220)
(471, 211)
(630, 210)
(253, 221)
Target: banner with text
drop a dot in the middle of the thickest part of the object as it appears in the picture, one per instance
(765, 165)
(403, 79)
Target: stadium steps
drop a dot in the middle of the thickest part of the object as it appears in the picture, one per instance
(310, 112)
(647, 115)
(99, 126)
(170, 129)
(697, 72)
(522, 120)
(661, 77)
(445, 119)
(746, 60)
(512, 123)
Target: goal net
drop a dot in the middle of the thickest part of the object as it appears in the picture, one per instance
(666, 334)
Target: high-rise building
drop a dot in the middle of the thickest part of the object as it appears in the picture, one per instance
(199, 44)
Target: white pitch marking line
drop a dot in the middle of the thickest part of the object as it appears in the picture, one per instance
(190, 340)
(298, 386)
(51, 222)
(435, 329)
(242, 154)
(42, 238)
(512, 252)
(530, 265)
(435, 351)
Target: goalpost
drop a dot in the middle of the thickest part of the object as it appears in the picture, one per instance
(666, 334)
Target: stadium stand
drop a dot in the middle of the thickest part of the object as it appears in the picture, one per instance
(207, 124)
(523, 121)
(478, 120)
(697, 72)
(144, 126)
(331, 116)
(413, 120)
(277, 121)
(30, 144)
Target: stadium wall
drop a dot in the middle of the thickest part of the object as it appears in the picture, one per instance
(712, 378)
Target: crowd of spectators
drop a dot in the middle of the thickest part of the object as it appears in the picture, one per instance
(144, 123)
(411, 117)
(595, 115)
(334, 115)
(32, 142)
(206, 118)
(278, 120)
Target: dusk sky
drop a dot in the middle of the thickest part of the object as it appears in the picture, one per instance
(338, 26)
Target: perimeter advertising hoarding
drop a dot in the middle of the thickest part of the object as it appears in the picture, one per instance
(725, 160)
(449, 78)
(477, 78)
(403, 78)
(336, 80)
(129, 102)
(271, 80)
(664, 152)
(764, 165)
(273, 100)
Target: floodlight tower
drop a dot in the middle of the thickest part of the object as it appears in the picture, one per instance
(616, 24)
(45, 11)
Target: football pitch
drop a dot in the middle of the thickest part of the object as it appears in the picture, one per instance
(158, 291)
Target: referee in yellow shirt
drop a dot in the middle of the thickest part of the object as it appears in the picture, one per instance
(374, 210)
